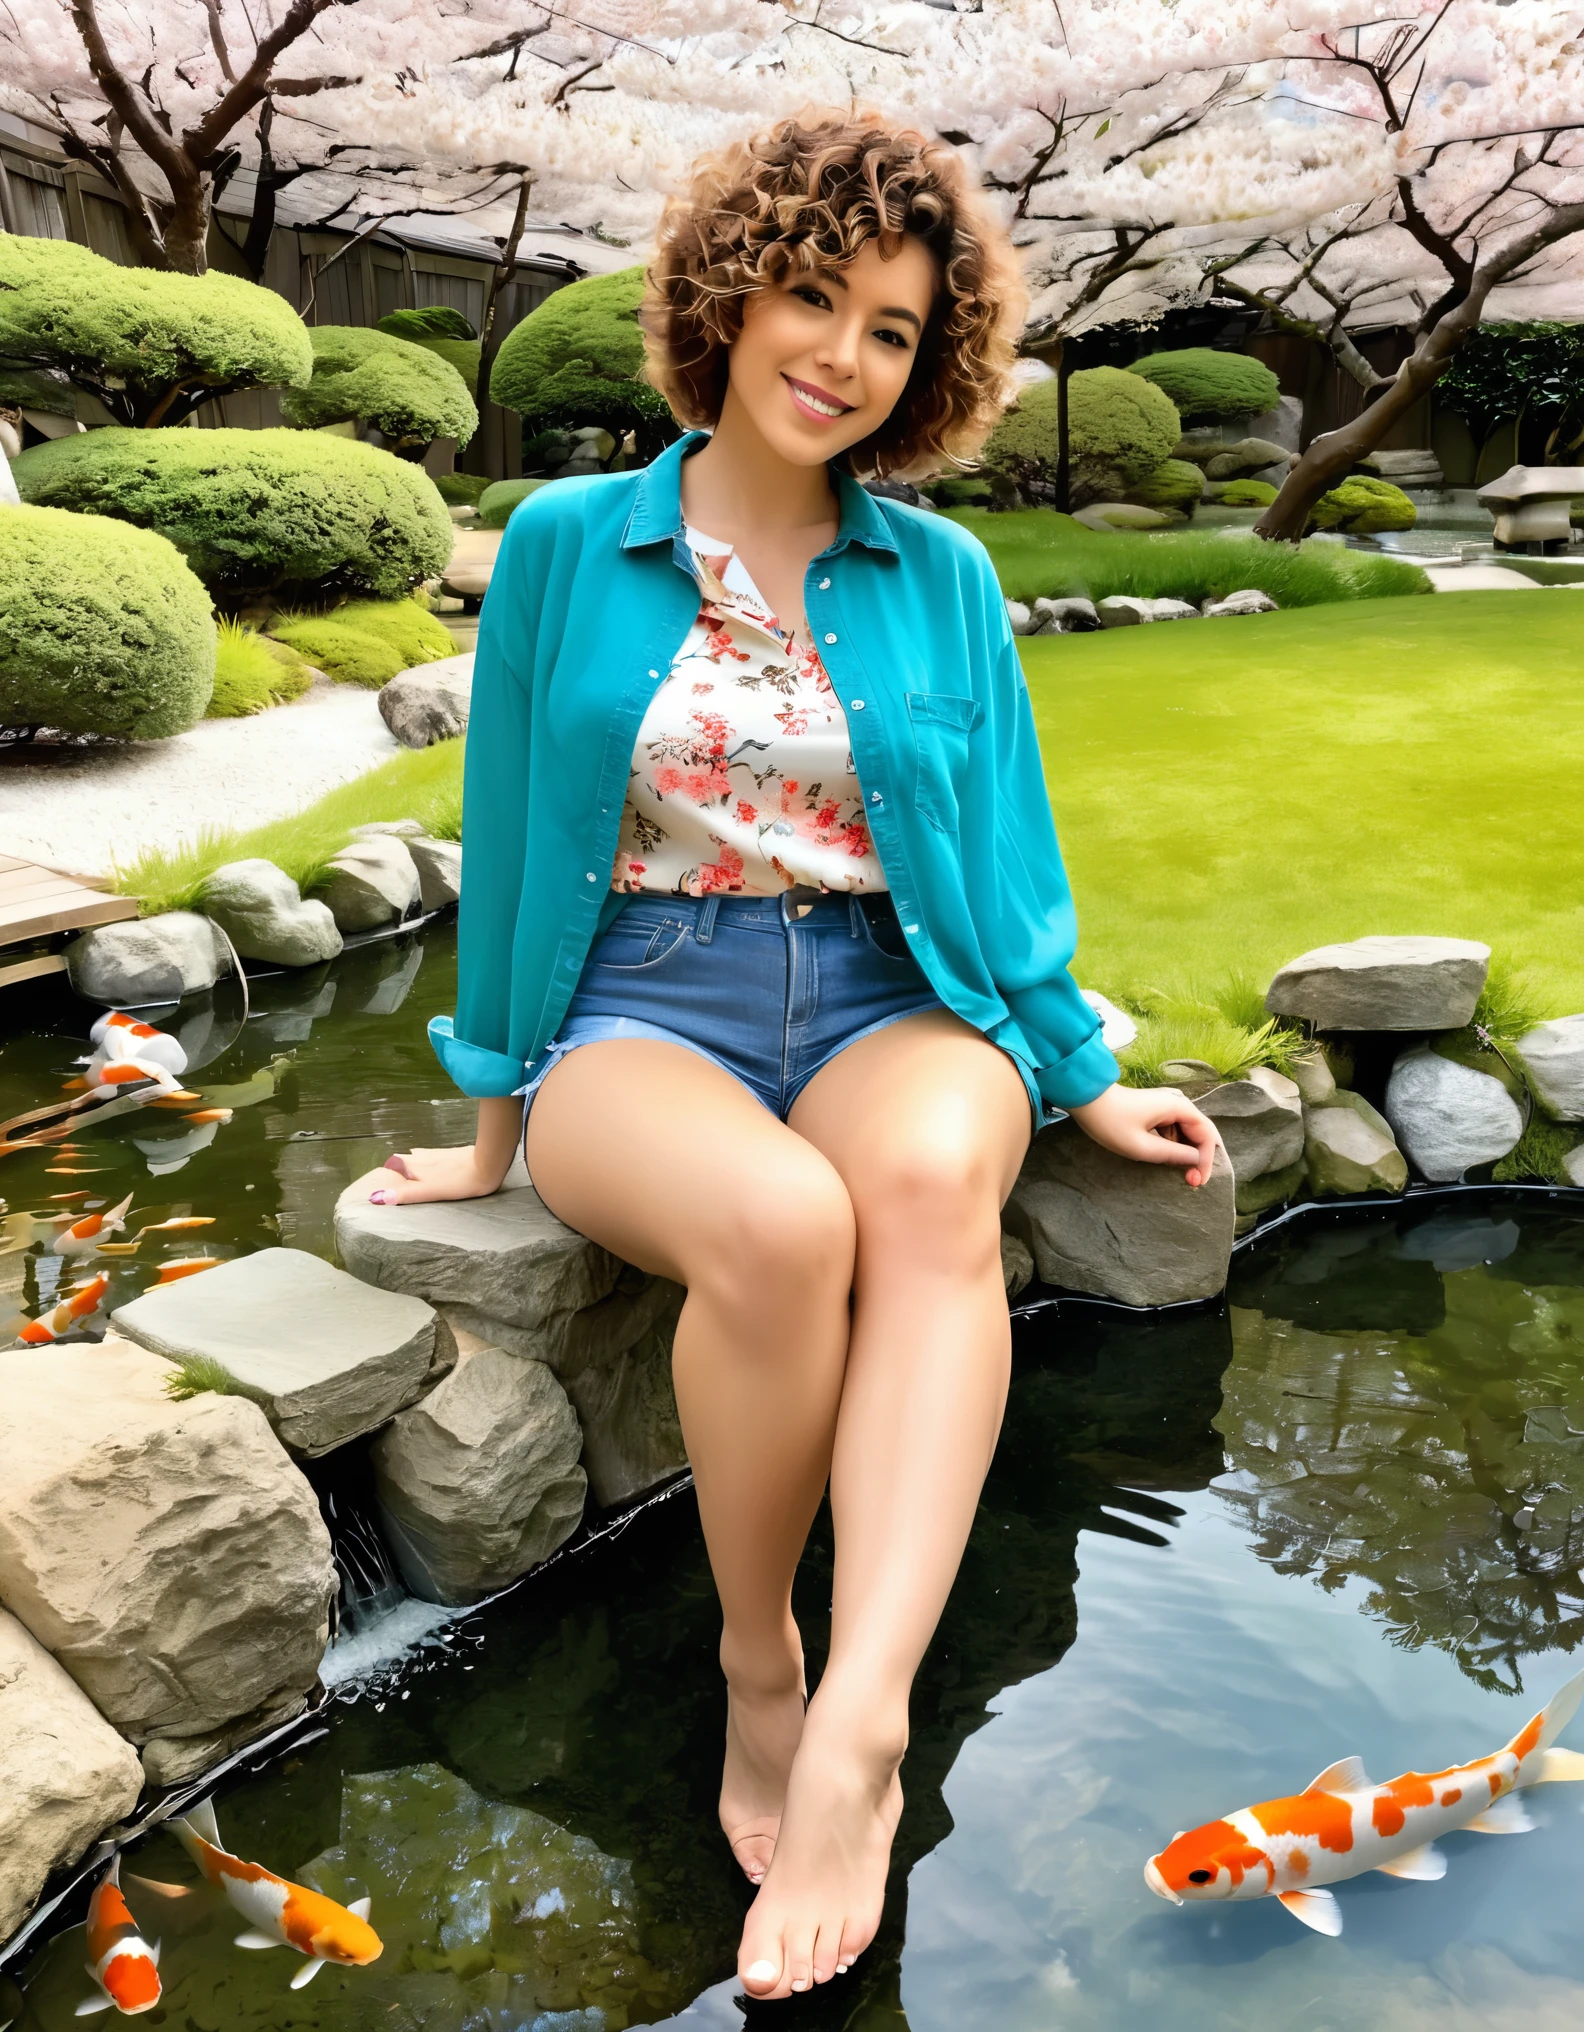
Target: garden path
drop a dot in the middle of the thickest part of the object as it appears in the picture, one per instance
(81, 810)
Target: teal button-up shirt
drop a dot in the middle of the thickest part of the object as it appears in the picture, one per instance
(591, 597)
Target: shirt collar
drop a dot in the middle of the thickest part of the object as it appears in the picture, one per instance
(656, 515)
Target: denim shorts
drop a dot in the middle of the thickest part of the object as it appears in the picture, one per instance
(766, 994)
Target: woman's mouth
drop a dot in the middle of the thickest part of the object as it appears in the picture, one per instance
(814, 403)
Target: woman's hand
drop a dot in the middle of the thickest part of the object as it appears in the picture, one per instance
(1153, 1125)
(472, 1172)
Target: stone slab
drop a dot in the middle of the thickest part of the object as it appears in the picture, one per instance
(1134, 1232)
(65, 1775)
(168, 1555)
(327, 1356)
(1383, 984)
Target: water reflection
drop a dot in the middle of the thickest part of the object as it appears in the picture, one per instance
(1405, 1405)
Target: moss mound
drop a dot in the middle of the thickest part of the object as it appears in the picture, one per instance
(1177, 485)
(497, 502)
(256, 510)
(103, 630)
(1120, 428)
(1208, 386)
(366, 642)
(390, 385)
(151, 345)
(576, 361)
(1246, 494)
(460, 490)
(253, 674)
(1363, 506)
(434, 321)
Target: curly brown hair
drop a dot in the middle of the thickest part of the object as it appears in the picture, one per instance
(811, 192)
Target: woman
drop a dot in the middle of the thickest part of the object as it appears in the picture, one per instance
(766, 925)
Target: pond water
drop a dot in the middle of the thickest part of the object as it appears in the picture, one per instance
(1217, 1551)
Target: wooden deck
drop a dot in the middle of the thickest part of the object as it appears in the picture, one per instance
(37, 903)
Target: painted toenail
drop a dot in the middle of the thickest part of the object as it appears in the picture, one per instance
(762, 1972)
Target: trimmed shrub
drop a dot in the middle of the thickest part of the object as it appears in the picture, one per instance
(954, 490)
(1246, 494)
(1177, 485)
(576, 361)
(1120, 428)
(151, 346)
(460, 490)
(442, 331)
(252, 674)
(1208, 386)
(103, 630)
(348, 655)
(497, 502)
(32, 388)
(384, 384)
(1363, 506)
(256, 511)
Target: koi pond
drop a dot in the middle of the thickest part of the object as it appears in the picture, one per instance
(1217, 1551)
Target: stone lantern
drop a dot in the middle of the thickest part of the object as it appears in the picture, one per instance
(1533, 504)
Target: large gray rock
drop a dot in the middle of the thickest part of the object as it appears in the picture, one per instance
(616, 1365)
(326, 1356)
(1020, 617)
(169, 1555)
(1314, 1079)
(439, 865)
(1248, 455)
(147, 960)
(481, 1479)
(1383, 984)
(266, 916)
(1282, 425)
(1261, 1123)
(171, 1760)
(369, 883)
(1135, 1232)
(65, 1775)
(1447, 1117)
(1249, 601)
(1123, 610)
(429, 703)
(1552, 1056)
(1017, 1265)
(504, 1267)
(1573, 1165)
(1349, 1149)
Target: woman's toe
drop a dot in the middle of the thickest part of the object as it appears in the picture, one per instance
(761, 1976)
(827, 1953)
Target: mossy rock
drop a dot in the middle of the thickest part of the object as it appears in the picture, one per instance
(1177, 485)
(1245, 494)
(461, 490)
(1363, 506)
(346, 654)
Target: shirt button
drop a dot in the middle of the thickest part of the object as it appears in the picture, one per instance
(830, 638)
(857, 705)
(654, 673)
(874, 797)
(590, 878)
(824, 585)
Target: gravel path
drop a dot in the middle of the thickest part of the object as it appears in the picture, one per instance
(83, 809)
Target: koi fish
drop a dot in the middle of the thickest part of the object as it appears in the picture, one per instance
(1343, 1824)
(82, 1237)
(185, 1266)
(181, 1221)
(118, 1034)
(200, 1115)
(279, 1913)
(120, 1960)
(36, 1333)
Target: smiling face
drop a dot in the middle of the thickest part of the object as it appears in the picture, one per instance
(823, 358)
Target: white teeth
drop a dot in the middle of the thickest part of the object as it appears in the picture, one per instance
(823, 408)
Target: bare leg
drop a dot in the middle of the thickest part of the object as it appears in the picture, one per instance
(927, 1125)
(671, 1164)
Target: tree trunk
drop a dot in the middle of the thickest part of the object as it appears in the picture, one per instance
(1063, 441)
(503, 272)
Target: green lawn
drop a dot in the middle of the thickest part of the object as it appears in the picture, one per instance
(1231, 793)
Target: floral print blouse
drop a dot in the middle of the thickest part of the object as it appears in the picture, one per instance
(742, 780)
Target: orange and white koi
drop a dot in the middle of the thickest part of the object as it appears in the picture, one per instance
(185, 1266)
(181, 1221)
(118, 1034)
(82, 1237)
(1342, 1825)
(69, 1313)
(120, 1960)
(279, 1913)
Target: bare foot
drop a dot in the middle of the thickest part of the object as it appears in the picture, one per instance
(819, 1906)
(763, 1731)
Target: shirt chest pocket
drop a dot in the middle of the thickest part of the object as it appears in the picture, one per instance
(940, 723)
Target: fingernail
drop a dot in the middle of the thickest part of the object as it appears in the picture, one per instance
(762, 1972)
(382, 1198)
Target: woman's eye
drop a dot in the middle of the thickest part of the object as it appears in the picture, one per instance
(817, 297)
(891, 338)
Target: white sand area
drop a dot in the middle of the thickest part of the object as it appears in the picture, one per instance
(82, 810)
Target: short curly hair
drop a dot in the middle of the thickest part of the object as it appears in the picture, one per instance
(810, 192)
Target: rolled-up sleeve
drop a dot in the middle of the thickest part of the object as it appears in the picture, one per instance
(477, 1047)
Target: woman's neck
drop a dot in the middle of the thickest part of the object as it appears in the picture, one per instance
(738, 486)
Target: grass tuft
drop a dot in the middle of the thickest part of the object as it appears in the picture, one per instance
(196, 1374)
(252, 674)
(1539, 1152)
(1039, 554)
(422, 783)
(1224, 1023)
